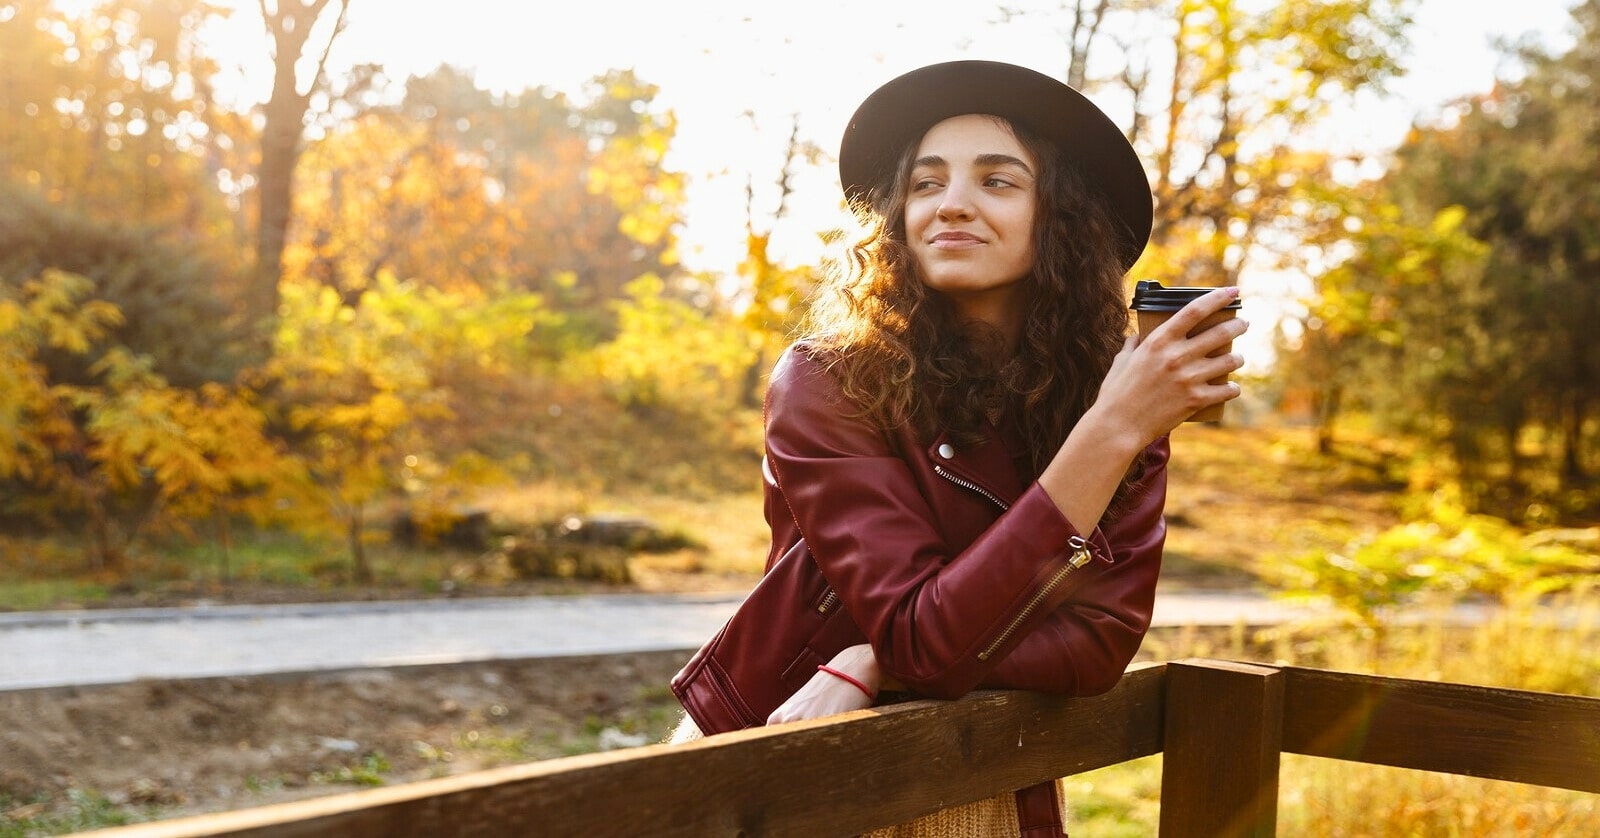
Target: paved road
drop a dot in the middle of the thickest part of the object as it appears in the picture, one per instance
(58, 648)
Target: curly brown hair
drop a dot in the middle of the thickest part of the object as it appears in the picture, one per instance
(899, 351)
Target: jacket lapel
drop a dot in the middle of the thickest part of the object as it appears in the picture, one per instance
(987, 465)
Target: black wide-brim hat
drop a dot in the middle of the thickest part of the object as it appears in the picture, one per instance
(900, 112)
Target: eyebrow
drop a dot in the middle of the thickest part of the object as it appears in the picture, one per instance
(934, 160)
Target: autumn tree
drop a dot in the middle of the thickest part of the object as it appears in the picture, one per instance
(460, 188)
(770, 301)
(1373, 337)
(1222, 94)
(397, 396)
(670, 353)
(1497, 356)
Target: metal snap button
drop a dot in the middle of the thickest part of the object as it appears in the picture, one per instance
(947, 451)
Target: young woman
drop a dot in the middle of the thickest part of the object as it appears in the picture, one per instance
(966, 455)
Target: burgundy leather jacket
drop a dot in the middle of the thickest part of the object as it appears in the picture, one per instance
(957, 572)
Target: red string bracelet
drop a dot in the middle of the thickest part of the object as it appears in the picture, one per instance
(822, 667)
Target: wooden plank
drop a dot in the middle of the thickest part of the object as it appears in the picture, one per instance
(1545, 739)
(1219, 776)
(841, 775)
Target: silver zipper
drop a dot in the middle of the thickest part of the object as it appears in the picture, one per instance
(1080, 557)
(967, 484)
(829, 599)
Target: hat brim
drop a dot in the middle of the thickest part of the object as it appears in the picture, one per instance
(901, 111)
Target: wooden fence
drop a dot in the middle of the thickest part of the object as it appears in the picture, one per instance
(1220, 725)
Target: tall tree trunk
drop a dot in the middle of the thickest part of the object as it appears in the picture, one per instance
(1164, 189)
(289, 24)
(1572, 467)
(1510, 430)
(358, 547)
(1085, 25)
(1325, 405)
(280, 150)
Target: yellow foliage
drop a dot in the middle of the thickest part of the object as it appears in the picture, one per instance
(669, 353)
(370, 389)
(131, 451)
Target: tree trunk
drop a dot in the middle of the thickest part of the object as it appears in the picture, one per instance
(358, 547)
(1572, 467)
(1510, 430)
(280, 150)
(282, 130)
(1085, 25)
(105, 554)
(1326, 407)
(750, 388)
(224, 543)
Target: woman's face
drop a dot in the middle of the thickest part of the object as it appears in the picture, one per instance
(969, 214)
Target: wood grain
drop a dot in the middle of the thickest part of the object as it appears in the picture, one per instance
(1219, 776)
(1545, 739)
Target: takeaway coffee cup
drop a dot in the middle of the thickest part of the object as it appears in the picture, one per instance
(1154, 303)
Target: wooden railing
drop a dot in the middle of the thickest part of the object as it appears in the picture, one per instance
(1221, 726)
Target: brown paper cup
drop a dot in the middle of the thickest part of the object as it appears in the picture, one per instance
(1149, 320)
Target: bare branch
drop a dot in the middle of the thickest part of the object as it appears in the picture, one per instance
(320, 77)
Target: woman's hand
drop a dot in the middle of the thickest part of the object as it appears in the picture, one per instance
(1154, 383)
(826, 694)
(1160, 379)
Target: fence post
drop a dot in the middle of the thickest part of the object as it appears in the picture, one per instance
(1223, 735)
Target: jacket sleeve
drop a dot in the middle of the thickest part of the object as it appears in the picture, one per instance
(941, 619)
(1087, 642)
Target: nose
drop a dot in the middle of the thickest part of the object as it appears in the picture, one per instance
(955, 203)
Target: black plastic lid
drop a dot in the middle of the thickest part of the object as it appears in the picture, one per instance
(1150, 295)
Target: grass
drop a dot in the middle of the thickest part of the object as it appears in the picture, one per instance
(1331, 798)
(82, 811)
(369, 772)
(1237, 495)
(265, 564)
(40, 594)
(648, 719)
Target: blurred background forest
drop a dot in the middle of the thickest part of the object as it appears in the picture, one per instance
(233, 330)
(368, 329)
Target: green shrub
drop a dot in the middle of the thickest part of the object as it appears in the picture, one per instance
(1449, 554)
(167, 293)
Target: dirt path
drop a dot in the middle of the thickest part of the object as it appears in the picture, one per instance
(79, 757)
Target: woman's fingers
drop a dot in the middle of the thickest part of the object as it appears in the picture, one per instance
(1218, 336)
(1192, 315)
(1215, 369)
(1184, 340)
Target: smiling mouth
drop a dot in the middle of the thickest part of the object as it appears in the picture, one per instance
(956, 239)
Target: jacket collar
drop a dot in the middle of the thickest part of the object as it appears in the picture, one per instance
(987, 465)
